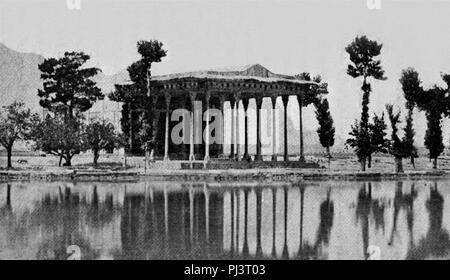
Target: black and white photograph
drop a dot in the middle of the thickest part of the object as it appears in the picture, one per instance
(239, 131)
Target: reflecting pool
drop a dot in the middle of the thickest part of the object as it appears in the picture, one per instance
(169, 220)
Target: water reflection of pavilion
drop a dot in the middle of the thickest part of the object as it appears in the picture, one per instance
(198, 221)
(245, 222)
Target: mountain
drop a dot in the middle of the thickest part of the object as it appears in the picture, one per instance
(19, 77)
(20, 81)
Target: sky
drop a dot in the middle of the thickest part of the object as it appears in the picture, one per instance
(285, 36)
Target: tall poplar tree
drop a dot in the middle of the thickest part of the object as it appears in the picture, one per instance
(362, 53)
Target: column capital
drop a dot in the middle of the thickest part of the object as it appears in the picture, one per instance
(168, 96)
(237, 96)
(259, 101)
(222, 98)
(285, 99)
(207, 95)
(192, 95)
(273, 98)
(300, 99)
(232, 103)
(245, 103)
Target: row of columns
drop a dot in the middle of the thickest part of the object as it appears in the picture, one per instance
(234, 149)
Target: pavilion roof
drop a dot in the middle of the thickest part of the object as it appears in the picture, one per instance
(247, 72)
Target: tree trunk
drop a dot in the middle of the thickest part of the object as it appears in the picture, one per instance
(435, 163)
(398, 165)
(8, 196)
(60, 160)
(369, 161)
(68, 159)
(9, 155)
(363, 164)
(96, 157)
(146, 158)
(329, 158)
(413, 162)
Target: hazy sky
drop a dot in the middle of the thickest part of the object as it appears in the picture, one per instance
(285, 36)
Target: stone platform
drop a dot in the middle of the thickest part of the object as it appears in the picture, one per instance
(230, 164)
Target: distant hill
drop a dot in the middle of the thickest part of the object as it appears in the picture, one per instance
(19, 77)
(20, 81)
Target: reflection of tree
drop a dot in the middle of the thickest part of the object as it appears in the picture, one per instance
(100, 213)
(326, 223)
(436, 242)
(365, 208)
(63, 217)
(306, 250)
(403, 201)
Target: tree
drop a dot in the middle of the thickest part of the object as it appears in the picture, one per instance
(310, 96)
(362, 52)
(68, 87)
(397, 147)
(15, 124)
(326, 130)
(436, 104)
(367, 143)
(412, 88)
(378, 141)
(100, 135)
(59, 136)
(137, 96)
(68, 91)
(433, 136)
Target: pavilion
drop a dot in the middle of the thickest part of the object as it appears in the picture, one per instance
(214, 88)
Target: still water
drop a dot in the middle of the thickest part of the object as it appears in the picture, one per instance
(166, 220)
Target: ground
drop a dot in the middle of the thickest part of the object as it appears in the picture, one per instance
(343, 163)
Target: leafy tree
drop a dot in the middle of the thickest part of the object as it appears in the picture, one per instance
(68, 87)
(312, 95)
(68, 91)
(412, 89)
(362, 53)
(137, 96)
(367, 143)
(398, 148)
(378, 141)
(101, 135)
(433, 136)
(326, 130)
(59, 136)
(436, 104)
(15, 124)
(408, 138)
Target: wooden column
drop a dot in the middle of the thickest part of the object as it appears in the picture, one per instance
(273, 98)
(207, 132)
(232, 105)
(245, 104)
(192, 131)
(259, 101)
(237, 98)
(300, 107)
(285, 104)
(166, 142)
(222, 136)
